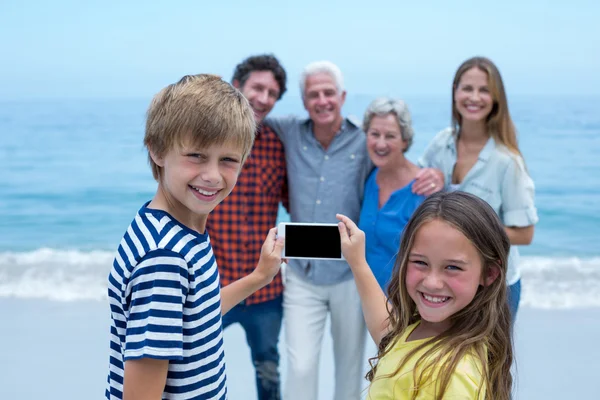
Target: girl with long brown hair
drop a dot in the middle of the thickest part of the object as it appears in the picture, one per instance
(443, 331)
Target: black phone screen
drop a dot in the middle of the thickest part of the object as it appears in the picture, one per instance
(313, 241)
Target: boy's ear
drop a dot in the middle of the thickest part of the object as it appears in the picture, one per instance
(493, 271)
(235, 84)
(157, 160)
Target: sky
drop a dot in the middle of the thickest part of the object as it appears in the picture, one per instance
(130, 49)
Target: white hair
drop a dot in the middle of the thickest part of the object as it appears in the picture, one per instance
(326, 67)
(384, 106)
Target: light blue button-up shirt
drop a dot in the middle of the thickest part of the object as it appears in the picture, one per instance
(322, 183)
(499, 177)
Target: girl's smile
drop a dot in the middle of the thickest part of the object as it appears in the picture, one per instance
(444, 272)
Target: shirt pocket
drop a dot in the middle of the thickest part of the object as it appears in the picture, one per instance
(487, 193)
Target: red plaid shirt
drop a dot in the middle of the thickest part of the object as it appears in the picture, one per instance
(239, 225)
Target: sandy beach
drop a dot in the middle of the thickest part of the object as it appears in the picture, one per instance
(75, 89)
(58, 350)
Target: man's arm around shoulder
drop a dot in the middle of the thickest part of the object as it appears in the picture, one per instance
(283, 126)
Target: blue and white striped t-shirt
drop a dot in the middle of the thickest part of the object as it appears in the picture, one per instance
(165, 303)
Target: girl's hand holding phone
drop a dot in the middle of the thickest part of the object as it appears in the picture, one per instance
(353, 242)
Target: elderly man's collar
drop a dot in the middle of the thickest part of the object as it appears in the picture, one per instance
(348, 121)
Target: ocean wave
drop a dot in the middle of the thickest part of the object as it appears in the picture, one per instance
(560, 283)
(62, 275)
(72, 275)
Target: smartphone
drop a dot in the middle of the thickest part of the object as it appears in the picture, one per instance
(310, 241)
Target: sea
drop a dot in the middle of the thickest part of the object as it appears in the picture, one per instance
(74, 172)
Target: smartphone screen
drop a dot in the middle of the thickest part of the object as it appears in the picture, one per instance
(313, 241)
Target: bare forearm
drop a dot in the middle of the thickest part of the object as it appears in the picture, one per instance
(144, 379)
(373, 301)
(520, 236)
(235, 292)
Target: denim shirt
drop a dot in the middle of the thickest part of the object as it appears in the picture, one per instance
(499, 177)
(322, 183)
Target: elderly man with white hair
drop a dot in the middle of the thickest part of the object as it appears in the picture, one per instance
(327, 164)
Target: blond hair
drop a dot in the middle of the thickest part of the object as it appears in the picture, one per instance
(200, 111)
(483, 327)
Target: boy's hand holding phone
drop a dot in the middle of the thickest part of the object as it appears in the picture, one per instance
(270, 260)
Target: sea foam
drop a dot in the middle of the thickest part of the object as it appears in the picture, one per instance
(71, 275)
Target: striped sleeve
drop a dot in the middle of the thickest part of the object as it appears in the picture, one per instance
(156, 296)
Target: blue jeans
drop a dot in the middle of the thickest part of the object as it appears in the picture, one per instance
(262, 324)
(514, 297)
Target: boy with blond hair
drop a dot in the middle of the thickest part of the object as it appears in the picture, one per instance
(165, 298)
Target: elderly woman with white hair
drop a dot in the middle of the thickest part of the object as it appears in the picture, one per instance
(388, 200)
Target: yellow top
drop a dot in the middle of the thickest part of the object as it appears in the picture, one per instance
(464, 382)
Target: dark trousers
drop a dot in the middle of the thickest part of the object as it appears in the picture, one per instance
(514, 297)
(262, 324)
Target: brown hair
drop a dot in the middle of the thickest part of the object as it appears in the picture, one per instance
(498, 123)
(482, 328)
(263, 62)
(201, 111)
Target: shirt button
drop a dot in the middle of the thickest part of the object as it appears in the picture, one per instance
(327, 157)
(322, 179)
(352, 156)
(304, 148)
(318, 201)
